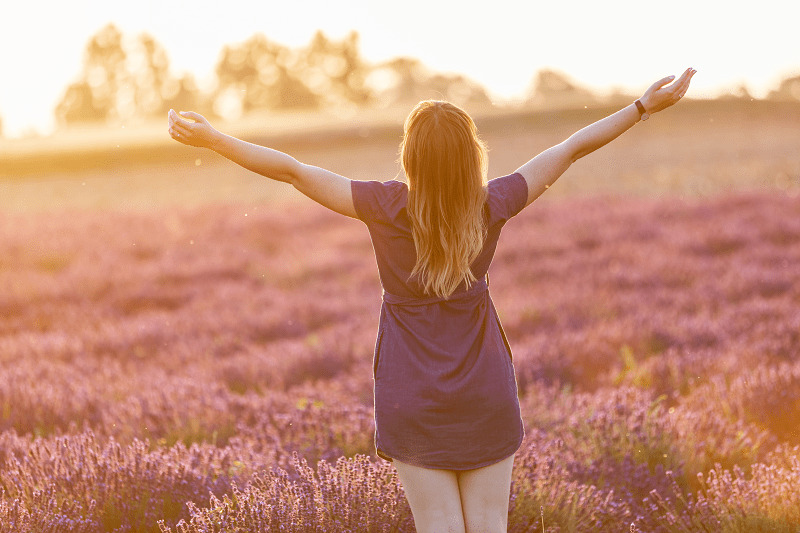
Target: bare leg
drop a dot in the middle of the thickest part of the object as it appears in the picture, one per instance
(485, 494)
(434, 498)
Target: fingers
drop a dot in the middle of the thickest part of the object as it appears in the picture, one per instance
(184, 128)
(178, 126)
(660, 83)
(682, 85)
(174, 118)
(194, 116)
(685, 75)
(683, 81)
(177, 135)
(178, 119)
(676, 90)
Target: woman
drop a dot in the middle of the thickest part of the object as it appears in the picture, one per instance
(446, 406)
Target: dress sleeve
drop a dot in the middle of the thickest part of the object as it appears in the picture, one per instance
(367, 199)
(507, 196)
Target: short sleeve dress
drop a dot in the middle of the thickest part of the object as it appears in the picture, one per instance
(444, 382)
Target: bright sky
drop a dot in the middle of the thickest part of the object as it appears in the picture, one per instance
(500, 43)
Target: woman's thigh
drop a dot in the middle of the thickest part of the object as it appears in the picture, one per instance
(485, 495)
(433, 496)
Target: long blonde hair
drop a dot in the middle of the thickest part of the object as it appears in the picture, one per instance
(445, 163)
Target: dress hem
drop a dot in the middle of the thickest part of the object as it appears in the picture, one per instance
(384, 455)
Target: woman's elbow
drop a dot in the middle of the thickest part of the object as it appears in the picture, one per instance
(292, 173)
(571, 150)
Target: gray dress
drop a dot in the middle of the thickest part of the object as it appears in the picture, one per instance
(445, 388)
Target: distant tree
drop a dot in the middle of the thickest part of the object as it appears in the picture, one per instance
(183, 94)
(124, 79)
(554, 88)
(259, 74)
(148, 69)
(120, 81)
(787, 91)
(741, 92)
(77, 105)
(334, 70)
(405, 80)
(457, 89)
(94, 96)
(408, 73)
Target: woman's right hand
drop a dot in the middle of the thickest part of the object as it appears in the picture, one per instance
(199, 133)
(660, 95)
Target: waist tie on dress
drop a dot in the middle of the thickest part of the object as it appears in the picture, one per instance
(477, 287)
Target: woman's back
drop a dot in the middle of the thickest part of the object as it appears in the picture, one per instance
(382, 206)
(445, 388)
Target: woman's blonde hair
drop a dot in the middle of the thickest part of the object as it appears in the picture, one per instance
(445, 163)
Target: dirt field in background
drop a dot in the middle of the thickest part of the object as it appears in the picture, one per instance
(699, 148)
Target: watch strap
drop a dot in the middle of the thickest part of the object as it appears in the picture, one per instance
(643, 114)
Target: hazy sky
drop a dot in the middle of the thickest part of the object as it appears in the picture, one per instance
(499, 43)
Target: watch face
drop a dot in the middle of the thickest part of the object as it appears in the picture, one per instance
(645, 116)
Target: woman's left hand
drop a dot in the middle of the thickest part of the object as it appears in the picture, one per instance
(660, 95)
(199, 133)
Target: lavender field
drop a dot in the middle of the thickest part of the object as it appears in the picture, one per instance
(208, 368)
(213, 365)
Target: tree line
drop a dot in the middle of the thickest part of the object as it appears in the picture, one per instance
(130, 79)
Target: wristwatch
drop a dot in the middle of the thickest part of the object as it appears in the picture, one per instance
(643, 114)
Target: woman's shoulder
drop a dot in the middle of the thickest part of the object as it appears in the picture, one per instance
(390, 190)
(507, 184)
(376, 188)
(396, 198)
(507, 195)
(375, 198)
(396, 186)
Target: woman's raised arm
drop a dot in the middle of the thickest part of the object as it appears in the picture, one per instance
(325, 187)
(544, 169)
